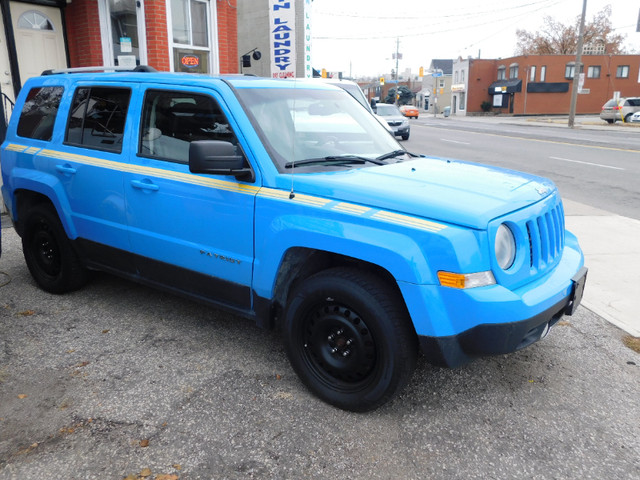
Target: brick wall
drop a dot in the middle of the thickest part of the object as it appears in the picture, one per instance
(85, 45)
(158, 52)
(484, 72)
(83, 33)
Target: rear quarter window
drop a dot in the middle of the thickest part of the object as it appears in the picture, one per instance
(39, 112)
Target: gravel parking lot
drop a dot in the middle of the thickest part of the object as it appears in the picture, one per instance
(118, 380)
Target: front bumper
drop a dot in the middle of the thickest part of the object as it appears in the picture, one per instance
(398, 131)
(501, 338)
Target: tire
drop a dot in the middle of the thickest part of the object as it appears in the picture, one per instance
(627, 119)
(405, 137)
(47, 250)
(610, 121)
(349, 339)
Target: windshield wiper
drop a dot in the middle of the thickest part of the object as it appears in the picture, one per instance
(334, 160)
(395, 153)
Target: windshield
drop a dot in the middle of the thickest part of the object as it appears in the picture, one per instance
(314, 128)
(387, 110)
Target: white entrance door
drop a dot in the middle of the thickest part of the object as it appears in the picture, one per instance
(5, 68)
(39, 38)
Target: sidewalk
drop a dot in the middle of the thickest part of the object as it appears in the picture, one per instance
(612, 254)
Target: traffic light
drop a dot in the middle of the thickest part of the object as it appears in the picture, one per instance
(324, 73)
(421, 72)
(381, 80)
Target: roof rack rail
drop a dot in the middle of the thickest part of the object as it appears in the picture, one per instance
(138, 68)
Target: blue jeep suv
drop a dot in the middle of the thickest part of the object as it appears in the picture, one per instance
(288, 203)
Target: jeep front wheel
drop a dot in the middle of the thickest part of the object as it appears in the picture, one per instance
(349, 339)
(50, 258)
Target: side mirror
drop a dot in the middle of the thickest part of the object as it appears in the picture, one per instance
(218, 158)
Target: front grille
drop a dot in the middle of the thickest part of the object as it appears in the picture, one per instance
(546, 238)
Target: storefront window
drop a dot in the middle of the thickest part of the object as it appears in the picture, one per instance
(190, 25)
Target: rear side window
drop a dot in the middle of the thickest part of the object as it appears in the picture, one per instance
(39, 112)
(97, 118)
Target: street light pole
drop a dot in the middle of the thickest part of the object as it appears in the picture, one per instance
(576, 71)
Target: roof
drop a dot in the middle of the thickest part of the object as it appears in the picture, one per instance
(446, 65)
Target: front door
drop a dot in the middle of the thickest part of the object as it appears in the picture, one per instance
(191, 232)
(39, 39)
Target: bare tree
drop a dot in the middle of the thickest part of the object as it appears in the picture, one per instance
(555, 38)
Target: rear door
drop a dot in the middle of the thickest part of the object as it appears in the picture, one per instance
(191, 232)
(87, 162)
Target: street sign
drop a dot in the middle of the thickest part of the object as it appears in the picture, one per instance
(436, 74)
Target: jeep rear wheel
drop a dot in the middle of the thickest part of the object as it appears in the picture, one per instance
(50, 258)
(349, 339)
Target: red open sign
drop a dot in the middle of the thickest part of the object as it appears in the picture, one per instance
(190, 61)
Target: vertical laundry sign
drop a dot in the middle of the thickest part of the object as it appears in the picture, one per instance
(282, 25)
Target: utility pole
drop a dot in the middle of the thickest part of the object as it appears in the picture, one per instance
(576, 71)
(397, 58)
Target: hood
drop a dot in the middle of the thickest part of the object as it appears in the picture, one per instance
(439, 189)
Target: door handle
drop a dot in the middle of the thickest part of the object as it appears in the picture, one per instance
(145, 184)
(66, 169)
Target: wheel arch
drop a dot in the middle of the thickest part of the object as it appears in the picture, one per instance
(300, 263)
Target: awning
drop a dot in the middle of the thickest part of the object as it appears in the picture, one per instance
(505, 86)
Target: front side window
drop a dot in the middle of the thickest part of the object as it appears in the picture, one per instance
(171, 120)
(191, 49)
(97, 118)
(622, 71)
(39, 112)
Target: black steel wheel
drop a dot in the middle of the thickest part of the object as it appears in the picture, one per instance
(50, 258)
(349, 339)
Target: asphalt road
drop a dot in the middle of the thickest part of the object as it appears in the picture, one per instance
(118, 380)
(597, 166)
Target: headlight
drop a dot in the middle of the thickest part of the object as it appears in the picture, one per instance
(505, 247)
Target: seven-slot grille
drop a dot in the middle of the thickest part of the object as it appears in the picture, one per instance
(546, 237)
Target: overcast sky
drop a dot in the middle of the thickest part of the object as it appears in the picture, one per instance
(359, 36)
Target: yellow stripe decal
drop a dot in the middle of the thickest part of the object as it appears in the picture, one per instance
(408, 221)
(351, 208)
(16, 148)
(391, 217)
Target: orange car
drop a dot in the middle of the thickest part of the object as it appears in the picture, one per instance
(409, 111)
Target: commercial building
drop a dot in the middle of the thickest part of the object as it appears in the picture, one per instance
(541, 84)
(171, 35)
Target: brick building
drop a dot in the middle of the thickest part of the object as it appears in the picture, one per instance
(541, 84)
(198, 36)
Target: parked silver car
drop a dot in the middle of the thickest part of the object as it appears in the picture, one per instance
(619, 109)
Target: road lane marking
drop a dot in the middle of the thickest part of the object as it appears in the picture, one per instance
(540, 140)
(586, 163)
(455, 141)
